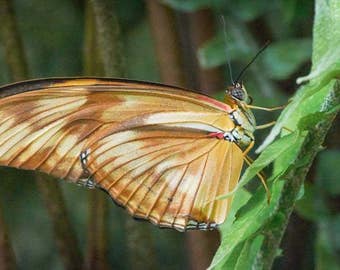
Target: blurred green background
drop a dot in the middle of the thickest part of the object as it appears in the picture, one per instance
(53, 35)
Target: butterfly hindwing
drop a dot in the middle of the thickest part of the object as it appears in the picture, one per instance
(169, 177)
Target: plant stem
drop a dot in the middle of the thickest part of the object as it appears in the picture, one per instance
(12, 42)
(107, 37)
(7, 258)
(201, 29)
(294, 180)
(17, 63)
(64, 234)
(167, 43)
(103, 57)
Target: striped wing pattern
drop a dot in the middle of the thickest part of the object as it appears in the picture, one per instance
(147, 145)
(168, 177)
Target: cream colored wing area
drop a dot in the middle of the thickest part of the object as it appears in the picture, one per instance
(47, 129)
(168, 177)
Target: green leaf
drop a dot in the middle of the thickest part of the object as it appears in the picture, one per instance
(308, 100)
(191, 5)
(217, 51)
(247, 224)
(242, 9)
(301, 193)
(326, 49)
(256, 211)
(283, 146)
(311, 120)
(249, 10)
(311, 206)
(328, 171)
(244, 256)
(288, 9)
(326, 30)
(239, 200)
(136, 62)
(310, 106)
(326, 67)
(327, 244)
(285, 57)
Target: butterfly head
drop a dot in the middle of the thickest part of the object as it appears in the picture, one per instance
(237, 93)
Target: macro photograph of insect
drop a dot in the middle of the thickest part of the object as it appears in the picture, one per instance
(169, 134)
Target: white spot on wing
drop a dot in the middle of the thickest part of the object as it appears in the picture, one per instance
(196, 126)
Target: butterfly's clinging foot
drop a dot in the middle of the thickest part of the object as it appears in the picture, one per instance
(83, 159)
(86, 180)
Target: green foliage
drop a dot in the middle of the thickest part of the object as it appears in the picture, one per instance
(305, 111)
(237, 45)
(314, 207)
(192, 5)
(326, 66)
(239, 259)
(326, 49)
(256, 211)
(283, 58)
(246, 225)
(136, 62)
(286, 146)
(328, 171)
(327, 243)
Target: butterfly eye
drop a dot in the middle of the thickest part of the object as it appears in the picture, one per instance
(238, 93)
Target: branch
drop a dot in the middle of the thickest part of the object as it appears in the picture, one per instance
(202, 29)
(51, 192)
(103, 57)
(293, 181)
(7, 258)
(64, 234)
(12, 42)
(107, 37)
(167, 43)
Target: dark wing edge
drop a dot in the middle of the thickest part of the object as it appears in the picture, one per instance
(169, 179)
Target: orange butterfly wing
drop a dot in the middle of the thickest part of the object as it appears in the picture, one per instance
(147, 145)
(168, 177)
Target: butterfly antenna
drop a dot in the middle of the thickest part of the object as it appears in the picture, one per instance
(226, 49)
(252, 61)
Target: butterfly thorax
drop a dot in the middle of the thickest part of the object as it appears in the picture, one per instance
(242, 116)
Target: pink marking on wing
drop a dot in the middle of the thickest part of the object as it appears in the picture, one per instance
(218, 135)
(216, 103)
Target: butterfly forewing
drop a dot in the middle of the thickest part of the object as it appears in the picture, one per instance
(147, 145)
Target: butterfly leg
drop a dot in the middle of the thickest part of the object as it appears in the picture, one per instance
(265, 108)
(249, 161)
(86, 180)
(271, 124)
(249, 147)
(267, 125)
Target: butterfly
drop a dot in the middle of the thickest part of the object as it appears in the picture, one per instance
(162, 152)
